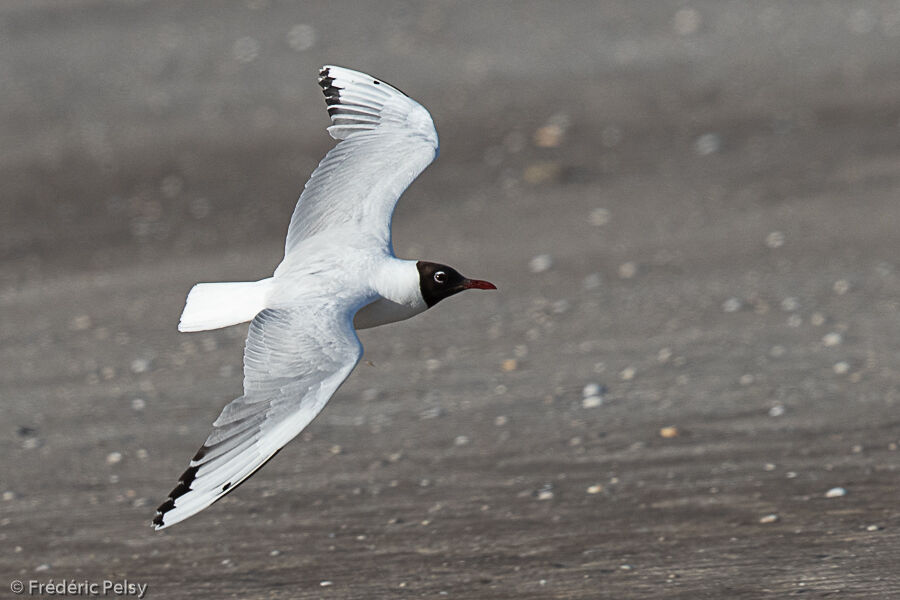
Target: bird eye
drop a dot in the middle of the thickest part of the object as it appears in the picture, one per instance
(440, 277)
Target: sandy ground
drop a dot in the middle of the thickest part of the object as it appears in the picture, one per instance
(690, 207)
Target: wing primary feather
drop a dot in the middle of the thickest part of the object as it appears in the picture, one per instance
(292, 366)
(385, 140)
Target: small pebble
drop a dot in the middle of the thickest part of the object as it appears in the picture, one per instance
(776, 411)
(627, 374)
(731, 305)
(7, 496)
(542, 172)
(795, 321)
(664, 355)
(540, 263)
(707, 144)
(832, 339)
(817, 319)
(592, 402)
(775, 239)
(245, 50)
(548, 136)
(432, 364)
(595, 489)
(113, 458)
(560, 307)
(599, 217)
(460, 440)
(873, 528)
(836, 492)
(326, 583)
(42, 567)
(80, 323)
(769, 467)
(138, 404)
(773, 518)
(336, 449)
(627, 270)
(301, 37)
(841, 368)
(140, 365)
(841, 287)
(790, 304)
(668, 432)
(501, 420)
(545, 493)
(274, 552)
(777, 351)
(510, 364)
(746, 379)
(686, 21)
(591, 389)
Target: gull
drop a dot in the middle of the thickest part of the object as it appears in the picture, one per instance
(339, 274)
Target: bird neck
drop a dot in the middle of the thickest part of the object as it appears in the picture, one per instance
(398, 281)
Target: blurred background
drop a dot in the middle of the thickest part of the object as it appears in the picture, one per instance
(686, 386)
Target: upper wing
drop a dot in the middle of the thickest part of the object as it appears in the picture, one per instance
(387, 140)
(294, 360)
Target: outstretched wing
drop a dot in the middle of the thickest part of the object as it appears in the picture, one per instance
(387, 139)
(294, 360)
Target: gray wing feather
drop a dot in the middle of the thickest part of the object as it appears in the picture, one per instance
(387, 140)
(294, 360)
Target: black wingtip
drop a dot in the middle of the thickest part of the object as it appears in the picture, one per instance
(183, 487)
(332, 92)
(187, 477)
(180, 490)
(200, 453)
(161, 513)
(326, 81)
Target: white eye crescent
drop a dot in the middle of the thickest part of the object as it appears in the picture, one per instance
(440, 277)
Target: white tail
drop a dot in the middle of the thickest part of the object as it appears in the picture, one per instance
(215, 305)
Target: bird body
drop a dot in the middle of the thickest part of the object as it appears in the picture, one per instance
(339, 274)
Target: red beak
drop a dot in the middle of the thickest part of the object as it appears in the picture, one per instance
(478, 284)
